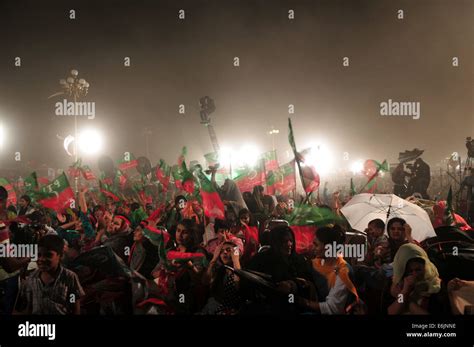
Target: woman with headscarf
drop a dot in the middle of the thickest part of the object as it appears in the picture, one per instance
(399, 233)
(230, 194)
(415, 282)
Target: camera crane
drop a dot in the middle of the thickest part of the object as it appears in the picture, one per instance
(207, 107)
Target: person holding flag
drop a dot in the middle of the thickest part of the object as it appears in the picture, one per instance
(309, 177)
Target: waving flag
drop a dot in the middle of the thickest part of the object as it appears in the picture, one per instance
(211, 201)
(57, 195)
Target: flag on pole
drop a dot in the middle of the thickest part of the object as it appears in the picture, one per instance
(270, 160)
(248, 177)
(372, 168)
(309, 177)
(163, 172)
(187, 178)
(57, 195)
(211, 201)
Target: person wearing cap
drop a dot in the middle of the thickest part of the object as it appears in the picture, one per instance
(51, 289)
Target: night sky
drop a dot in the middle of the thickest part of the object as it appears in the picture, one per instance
(282, 62)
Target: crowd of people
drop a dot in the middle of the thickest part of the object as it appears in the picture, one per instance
(128, 255)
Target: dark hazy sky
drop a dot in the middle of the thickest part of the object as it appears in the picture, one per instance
(282, 62)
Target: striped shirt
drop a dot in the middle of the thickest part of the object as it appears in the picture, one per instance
(56, 298)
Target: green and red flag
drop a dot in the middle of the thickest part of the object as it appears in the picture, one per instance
(31, 182)
(11, 200)
(270, 163)
(120, 179)
(107, 191)
(304, 221)
(270, 160)
(187, 178)
(248, 177)
(163, 172)
(176, 173)
(75, 169)
(270, 181)
(309, 177)
(127, 162)
(285, 179)
(57, 195)
(372, 168)
(308, 215)
(211, 201)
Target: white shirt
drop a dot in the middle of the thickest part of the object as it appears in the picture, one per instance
(336, 300)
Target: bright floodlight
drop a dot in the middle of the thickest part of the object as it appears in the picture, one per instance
(2, 135)
(321, 158)
(248, 155)
(90, 141)
(357, 167)
(225, 157)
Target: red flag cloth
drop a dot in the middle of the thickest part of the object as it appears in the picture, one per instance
(251, 241)
(175, 255)
(311, 178)
(63, 194)
(212, 204)
(166, 236)
(128, 165)
(304, 237)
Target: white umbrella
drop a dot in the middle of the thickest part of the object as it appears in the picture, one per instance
(363, 208)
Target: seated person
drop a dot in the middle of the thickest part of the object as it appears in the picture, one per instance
(224, 283)
(288, 270)
(332, 275)
(399, 233)
(415, 283)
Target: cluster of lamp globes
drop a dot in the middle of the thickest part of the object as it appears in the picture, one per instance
(75, 86)
(89, 140)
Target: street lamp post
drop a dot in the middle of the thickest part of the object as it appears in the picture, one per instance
(272, 133)
(76, 88)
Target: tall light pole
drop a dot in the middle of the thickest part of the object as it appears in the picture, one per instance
(147, 132)
(272, 133)
(76, 88)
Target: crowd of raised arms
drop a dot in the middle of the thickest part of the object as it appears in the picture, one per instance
(125, 254)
